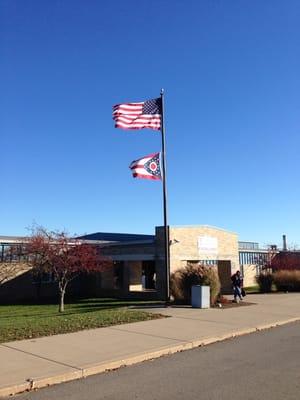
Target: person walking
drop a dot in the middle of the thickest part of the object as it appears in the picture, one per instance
(237, 286)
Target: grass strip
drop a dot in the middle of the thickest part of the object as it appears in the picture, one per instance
(32, 321)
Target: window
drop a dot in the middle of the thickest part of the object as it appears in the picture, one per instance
(118, 274)
(43, 278)
(257, 258)
(148, 275)
(11, 253)
(203, 262)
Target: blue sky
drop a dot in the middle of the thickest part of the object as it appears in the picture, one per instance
(230, 70)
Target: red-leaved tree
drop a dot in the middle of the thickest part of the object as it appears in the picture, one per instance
(63, 256)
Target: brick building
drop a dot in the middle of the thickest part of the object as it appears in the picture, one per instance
(138, 269)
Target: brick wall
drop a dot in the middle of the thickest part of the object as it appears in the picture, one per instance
(200, 243)
(185, 247)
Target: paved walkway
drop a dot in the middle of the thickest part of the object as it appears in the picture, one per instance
(35, 363)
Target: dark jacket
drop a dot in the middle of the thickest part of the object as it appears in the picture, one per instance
(236, 280)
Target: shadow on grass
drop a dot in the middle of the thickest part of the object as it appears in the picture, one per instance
(78, 301)
(81, 307)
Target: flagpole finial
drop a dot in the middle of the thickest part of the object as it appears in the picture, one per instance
(162, 91)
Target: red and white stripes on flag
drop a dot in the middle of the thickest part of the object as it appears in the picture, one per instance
(147, 167)
(145, 114)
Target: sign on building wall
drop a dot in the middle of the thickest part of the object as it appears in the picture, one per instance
(208, 245)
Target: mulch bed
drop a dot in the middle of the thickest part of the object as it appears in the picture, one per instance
(232, 304)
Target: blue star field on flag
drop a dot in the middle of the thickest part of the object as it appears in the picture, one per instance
(153, 167)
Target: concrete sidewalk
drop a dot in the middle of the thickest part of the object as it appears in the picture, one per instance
(36, 363)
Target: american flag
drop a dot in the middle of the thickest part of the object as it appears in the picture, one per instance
(147, 167)
(145, 114)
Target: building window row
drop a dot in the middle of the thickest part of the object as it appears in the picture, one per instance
(248, 245)
(253, 258)
(203, 262)
(12, 253)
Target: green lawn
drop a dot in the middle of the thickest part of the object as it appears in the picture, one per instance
(31, 321)
(252, 289)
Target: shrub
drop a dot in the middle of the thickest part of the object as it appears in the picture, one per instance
(265, 282)
(183, 279)
(175, 285)
(287, 280)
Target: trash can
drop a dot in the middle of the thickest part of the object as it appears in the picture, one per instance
(200, 296)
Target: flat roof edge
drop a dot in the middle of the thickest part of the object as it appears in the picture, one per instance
(200, 226)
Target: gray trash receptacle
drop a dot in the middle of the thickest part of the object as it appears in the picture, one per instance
(200, 296)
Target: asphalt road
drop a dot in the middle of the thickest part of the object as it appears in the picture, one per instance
(263, 365)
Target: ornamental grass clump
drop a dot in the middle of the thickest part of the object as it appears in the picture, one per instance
(287, 280)
(265, 282)
(183, 279)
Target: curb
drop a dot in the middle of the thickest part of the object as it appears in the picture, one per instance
(39, 383)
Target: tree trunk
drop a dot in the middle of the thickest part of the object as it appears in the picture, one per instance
(62, 303)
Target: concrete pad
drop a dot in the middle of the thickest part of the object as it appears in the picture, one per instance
(286, 302)
(184, 311)
(239, 320)
(280, 310)
(38, 362)
(268, 310)
(211, 314)
(281, 305)
(86, 348)
(19, 369)
(195, 330)
(178, 329)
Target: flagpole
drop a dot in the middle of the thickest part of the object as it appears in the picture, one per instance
(166, 228)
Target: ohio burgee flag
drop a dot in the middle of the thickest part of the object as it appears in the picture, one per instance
(147, 167)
